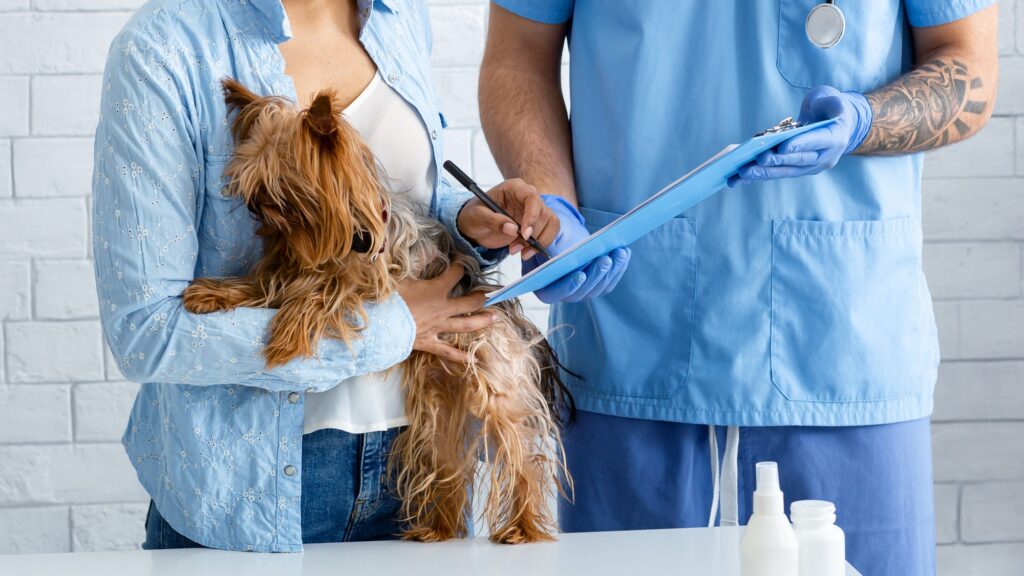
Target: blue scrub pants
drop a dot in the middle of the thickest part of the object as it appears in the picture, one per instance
(636, 474)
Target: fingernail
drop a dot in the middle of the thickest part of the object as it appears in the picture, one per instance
(529, 254)
(515, 249)
(509, 228)
(528, 232)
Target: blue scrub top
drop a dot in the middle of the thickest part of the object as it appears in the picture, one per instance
(794, 302)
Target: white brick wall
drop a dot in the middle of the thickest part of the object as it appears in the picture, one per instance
(64, 481)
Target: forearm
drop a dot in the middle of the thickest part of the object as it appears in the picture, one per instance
(162, 343)
(523, 113)
(941, 102)
(945, 99)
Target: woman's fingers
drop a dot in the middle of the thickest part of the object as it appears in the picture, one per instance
(466, 324)
(532, 206)
(466, 304)
(446, 352)
(498, 229)
(547, 230)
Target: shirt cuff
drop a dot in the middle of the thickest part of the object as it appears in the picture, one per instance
(390, 336)
(938, 13)
(406, 328)
(543, 11)
(447, 211)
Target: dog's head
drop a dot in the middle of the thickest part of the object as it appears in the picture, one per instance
(309, 180)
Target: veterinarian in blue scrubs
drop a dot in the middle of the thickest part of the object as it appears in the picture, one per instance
(782, 319)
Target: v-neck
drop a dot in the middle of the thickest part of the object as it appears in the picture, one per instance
(355, 104)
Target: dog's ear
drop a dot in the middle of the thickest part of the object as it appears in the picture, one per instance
(240, 101)
(237, 96)
(321, 118)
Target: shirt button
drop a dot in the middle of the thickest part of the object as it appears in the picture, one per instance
(394, 78)
(293, 398)
(433, 134)
(310, 390)
(290, 470)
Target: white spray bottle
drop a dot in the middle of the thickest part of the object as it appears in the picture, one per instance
(769, 546)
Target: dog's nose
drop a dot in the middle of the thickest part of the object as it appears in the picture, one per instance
(361, 242)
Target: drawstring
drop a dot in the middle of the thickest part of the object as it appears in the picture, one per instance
(730, 476)
(724, 479)
(715, 475)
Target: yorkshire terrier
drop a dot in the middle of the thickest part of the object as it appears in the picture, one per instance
(333, 238)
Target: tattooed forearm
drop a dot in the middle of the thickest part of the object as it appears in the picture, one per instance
(940, 102)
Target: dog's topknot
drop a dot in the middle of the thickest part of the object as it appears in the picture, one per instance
(320, 117)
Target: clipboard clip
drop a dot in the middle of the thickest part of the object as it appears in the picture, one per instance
(787, 124)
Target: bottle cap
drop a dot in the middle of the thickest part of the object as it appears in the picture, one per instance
(812, 510)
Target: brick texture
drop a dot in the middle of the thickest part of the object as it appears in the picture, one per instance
(6, 174)
(65, 483)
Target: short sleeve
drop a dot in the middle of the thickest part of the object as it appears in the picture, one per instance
(543, 11)
(921, 13)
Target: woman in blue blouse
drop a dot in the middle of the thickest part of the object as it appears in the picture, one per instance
(222, 444)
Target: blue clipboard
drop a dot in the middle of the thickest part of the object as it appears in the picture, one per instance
(672, 200)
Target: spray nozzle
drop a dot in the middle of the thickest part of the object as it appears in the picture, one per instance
(767, 477)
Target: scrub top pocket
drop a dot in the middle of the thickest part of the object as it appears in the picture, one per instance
(869, 55)
(846, 310)
(636, 340)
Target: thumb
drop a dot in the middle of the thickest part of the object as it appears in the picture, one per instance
(808, 106)
(825, 108)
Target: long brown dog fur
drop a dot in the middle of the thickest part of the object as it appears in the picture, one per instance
(315, 190)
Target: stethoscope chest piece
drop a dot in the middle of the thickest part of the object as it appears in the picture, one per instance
(825, 24)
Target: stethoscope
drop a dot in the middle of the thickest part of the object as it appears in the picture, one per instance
(825, 24)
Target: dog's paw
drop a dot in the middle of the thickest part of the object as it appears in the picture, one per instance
(428, 535)
(517, 534)
(203, 298)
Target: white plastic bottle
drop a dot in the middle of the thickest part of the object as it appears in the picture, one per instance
(822, 543)
(769, 545)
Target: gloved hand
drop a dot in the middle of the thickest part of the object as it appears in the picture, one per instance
(596, 278)
(818, 150)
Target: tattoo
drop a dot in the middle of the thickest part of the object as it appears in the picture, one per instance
(929, 107)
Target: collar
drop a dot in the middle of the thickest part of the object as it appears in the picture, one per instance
(280, 29)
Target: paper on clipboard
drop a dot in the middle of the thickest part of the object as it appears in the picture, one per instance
(690, 189)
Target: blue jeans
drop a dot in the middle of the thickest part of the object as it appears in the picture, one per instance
(634, 474)
(346, 493)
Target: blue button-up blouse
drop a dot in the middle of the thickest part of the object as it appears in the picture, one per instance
(212, 430)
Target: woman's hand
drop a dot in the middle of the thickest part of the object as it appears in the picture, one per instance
(491, 230)
(436, 313)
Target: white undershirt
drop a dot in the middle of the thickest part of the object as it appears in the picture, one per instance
(393, 130)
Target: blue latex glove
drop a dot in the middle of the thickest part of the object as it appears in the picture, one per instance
(598, 277)
(818, 150)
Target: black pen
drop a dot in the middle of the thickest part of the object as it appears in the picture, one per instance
(470, 185)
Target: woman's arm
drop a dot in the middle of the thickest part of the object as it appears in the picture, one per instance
(945, 99)
(147, 191)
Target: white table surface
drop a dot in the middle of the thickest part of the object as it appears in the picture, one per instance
(699, 551)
